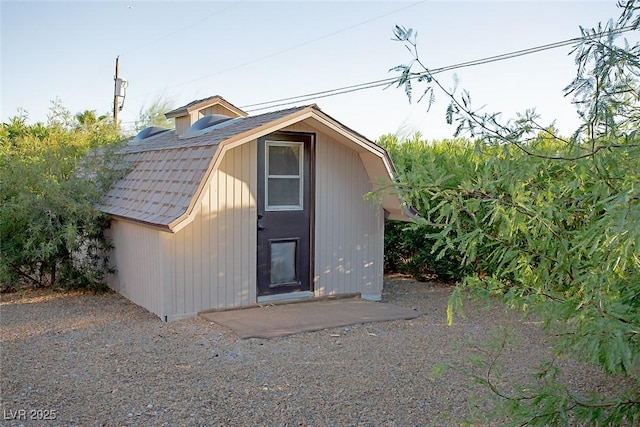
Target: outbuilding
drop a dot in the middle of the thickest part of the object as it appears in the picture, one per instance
(229, 210)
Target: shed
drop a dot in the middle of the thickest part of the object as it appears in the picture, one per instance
(229, 210)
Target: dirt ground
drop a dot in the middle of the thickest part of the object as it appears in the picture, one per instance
(80, 359)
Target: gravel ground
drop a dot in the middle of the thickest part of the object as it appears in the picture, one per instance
(99, 360)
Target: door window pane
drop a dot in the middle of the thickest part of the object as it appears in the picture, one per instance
(284, 192)
(284, 160)
(283, 262)
(283, 175)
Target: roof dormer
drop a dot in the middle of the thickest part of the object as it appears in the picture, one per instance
(187, 115)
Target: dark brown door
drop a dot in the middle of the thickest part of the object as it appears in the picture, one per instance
(285, 200)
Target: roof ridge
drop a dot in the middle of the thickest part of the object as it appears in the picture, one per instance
(204, 103)
(192, 103)
(170, 141)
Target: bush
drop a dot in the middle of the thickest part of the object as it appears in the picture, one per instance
(51, 234)
(410, 248)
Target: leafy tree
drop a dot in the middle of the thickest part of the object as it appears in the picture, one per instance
(50, 231)
(154, 114)
(88, 121)
(550, 225)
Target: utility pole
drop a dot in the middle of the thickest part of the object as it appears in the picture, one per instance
(115, 93)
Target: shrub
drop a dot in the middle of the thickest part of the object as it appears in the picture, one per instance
(410, 248)
(51, 234)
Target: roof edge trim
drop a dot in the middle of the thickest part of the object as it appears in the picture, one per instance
(232, 142)
(203, 103)
(156, 226)
(310, 111)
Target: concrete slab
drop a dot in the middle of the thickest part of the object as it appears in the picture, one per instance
(286, 319)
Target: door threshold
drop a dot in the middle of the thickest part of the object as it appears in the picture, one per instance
(286, 297)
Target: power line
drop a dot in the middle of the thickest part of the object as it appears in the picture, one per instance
(328, 92)
(388, 81)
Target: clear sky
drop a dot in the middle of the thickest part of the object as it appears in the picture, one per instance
(254, 51)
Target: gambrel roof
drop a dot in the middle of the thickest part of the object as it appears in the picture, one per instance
(166, 173)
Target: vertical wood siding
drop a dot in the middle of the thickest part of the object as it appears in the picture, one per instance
(139, 256)
(349, 230)
(215, 255)
(182, 124)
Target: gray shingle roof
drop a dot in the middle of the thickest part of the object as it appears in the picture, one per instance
(165, 171)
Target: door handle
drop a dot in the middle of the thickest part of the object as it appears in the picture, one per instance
(260, 226)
